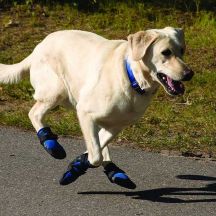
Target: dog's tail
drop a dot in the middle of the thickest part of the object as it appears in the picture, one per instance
(15, 72)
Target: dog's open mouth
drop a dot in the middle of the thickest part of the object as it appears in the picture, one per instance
(173, 87)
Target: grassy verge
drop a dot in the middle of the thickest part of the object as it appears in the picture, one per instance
(186, 123)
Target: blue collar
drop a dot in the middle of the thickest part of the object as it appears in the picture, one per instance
(133, 82)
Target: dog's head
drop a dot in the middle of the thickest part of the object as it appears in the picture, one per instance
(162, 51)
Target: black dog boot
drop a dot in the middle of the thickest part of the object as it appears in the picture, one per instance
(49, 141)
(118, 176)
(75, 169)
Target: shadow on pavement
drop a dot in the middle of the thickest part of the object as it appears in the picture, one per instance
(163, 195)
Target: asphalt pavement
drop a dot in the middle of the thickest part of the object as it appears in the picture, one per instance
(166, 186)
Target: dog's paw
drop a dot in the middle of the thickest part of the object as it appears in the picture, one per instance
(54, 149)
(70, 176)
(75, 169)
(49, 141)
(118, 176)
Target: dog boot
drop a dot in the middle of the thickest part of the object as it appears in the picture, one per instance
(118, 176)
(75, 169)
(49, 141)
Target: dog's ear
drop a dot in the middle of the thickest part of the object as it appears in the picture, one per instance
(140, 42)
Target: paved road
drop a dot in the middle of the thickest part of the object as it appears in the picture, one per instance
(166, 186)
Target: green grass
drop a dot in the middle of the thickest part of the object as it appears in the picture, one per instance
(186, 123)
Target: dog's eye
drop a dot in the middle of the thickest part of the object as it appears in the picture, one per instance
(166, 52)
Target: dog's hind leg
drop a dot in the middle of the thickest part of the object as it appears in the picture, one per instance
(47, 139)
(38, 112)
(113, 172)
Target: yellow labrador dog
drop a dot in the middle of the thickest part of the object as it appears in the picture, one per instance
(110, 83)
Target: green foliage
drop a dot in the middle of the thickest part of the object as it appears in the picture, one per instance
(185, 123)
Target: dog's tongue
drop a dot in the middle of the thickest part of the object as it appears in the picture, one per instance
(176, 86)
(170, 83)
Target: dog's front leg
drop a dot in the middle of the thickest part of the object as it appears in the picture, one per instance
(90, 159)
(90, 133)
(105, 137)
(113, 172)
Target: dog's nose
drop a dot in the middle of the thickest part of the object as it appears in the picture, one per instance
(188, 74)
